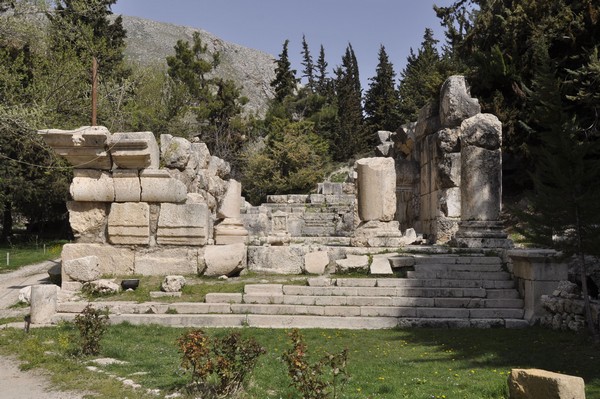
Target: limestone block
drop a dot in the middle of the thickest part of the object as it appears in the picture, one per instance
(88, 220)
(134, 150)
(316, 262)
(536, 383)
(187, 176)
(404, 139)
(43, 303)
(230, 231)
(448, 171)
(127, 185)
(276, 259)
(104, 286)
(277, 199)
(92, 186)
(428, 121)
(352, 263)
(316, 198)
(384, 136)
(159, 186)
(482, 130)
(225, 260)
(82, 269)
(456, 103)
(297, 199)
(83, 148)
(174, 151)
(376, 189)
(219, 167)
(447, 140)
(232, 201)
(407, 173)
(216, 186)
(199, 157)
(117, 261)
(159, 261)
(481, 187)
(129, 223)
(380, 265)
(183, 224)
(385, 150)
(25, 295)
(450, 202)
(172, 283)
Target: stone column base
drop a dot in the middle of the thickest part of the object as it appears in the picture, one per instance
(378, 234)
(478, 234)
(230, 231)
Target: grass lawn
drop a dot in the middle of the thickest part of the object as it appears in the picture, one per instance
(416, 363)
(27, 254)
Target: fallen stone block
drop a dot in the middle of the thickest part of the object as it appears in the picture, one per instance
(352, 263)
(225, 260)
(173, 283)
(316, 262)
(84, 269)
(536, 384)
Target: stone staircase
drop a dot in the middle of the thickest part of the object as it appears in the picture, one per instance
(441, 291)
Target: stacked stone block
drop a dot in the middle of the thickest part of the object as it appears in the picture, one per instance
(138, 218)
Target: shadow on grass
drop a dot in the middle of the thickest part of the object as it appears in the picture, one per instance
(558, 351)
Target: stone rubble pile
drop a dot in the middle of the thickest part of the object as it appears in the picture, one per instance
(565, 308)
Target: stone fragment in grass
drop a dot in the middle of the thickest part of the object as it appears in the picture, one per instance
(172, 283)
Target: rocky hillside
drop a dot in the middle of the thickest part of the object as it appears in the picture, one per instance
(150, 42)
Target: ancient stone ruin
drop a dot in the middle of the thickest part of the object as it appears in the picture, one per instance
(140, 207)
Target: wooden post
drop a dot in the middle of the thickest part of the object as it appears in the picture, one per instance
(94, 89)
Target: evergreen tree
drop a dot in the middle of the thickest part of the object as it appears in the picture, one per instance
(85, 27)
(216, 103)
(351, 137)
(496, 41)
(421, 79)
(285, 77)
(566, 191)
(322, 83)
(382, 99)
(309, 68)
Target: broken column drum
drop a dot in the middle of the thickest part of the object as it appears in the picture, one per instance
(376, 189)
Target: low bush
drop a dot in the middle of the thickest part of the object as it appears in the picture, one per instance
(92, 324)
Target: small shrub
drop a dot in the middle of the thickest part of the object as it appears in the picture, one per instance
(219, 366)
(323, 379)
(92, 324)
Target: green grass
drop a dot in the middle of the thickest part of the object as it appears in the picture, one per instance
(26, 254)
(416, 363)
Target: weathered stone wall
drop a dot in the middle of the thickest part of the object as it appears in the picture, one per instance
(141, 209)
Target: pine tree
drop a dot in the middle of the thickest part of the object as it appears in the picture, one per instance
(285, 77)
(309, 68)
(564, 203)
(421, 79)
(381, 99)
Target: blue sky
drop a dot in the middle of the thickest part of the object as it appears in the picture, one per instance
(266, 24)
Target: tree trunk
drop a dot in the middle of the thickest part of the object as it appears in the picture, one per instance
(7, 222)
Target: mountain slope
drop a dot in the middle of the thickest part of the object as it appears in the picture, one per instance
(150, 42)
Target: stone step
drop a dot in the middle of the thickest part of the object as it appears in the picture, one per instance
(303, 321)
(432, 292)
(458, 275)
(456, 260)
(502, 294)
(459, 267)
(414, 282)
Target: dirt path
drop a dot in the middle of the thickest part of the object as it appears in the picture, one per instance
(33, 384)
(16, 384)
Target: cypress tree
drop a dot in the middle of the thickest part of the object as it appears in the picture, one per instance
(351, 138)
(285, 77)
(382, 99)
(309, 68)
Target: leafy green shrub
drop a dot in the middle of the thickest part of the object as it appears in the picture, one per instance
(320, 380)
(92, 324)
(219, 365)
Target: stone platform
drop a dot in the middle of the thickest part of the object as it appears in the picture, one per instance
(442, 291)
